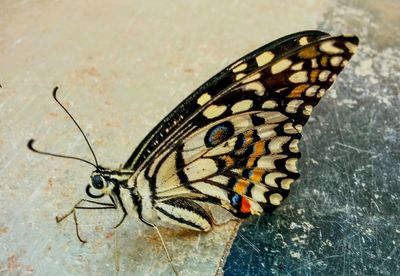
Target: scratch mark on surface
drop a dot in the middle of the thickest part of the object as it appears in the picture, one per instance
(250, 243)
(354, 148)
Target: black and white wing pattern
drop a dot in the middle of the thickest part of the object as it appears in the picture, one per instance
(234, 141)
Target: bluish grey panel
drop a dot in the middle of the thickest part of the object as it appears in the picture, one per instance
(342, 217)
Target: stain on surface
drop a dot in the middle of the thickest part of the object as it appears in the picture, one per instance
(3, 230)
(13, 266)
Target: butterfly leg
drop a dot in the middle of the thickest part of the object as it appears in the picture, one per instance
(162, 242)
(116, 252)
(102, 205)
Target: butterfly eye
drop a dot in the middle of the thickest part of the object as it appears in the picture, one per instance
(97, 182)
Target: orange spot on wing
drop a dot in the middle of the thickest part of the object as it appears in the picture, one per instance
(229, 162)
(296, 92)
(250, 162)
(257, 174)
(241, 186)
(249, 137)
(259, 148)
(245, 208)
(324, 61)
(218, 135)
(314, 75)
(308, 53)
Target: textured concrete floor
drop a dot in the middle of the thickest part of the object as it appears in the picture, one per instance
(122, 67)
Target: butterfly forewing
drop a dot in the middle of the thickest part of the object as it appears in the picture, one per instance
(234, 141)
(217, 84)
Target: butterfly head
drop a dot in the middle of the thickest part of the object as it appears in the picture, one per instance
(102, 184)
(105, 181)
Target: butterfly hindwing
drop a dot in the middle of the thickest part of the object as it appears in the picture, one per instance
(182, 211)
(234, 141)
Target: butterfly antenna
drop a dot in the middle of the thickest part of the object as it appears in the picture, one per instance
(76, 123)
(30, 146)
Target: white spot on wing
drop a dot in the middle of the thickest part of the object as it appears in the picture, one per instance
(294, 145)
(255, 208)
(270, 179)
(203, 99)
(323, 76)
(257, 86)
(266, 131)
(285, 184)
(239, 67)
(268, 161)
(298, 66)
(307, 110)
(264, 58)
(344, 63)
(329, 48)
(299, 77)
(289, 128)
(280, 66)
(272, 116)
(321, 93)
(242, 121)
(241, 106)
(275, 145)
(270, 104)
(214, 111)
(314, 63)
(252, 77)
(299, 128)
(275, 199)
(303, 41)
(336, 60)
(257, 193)
(240, 76)
(293, 105)
(291, 165)
(310, 92)
(352, 47)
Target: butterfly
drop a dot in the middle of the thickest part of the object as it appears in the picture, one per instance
(233, 142)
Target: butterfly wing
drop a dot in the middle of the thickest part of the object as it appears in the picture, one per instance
(233, 142)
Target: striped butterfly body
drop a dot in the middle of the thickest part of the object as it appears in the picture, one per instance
(231, 143)
(234, 141)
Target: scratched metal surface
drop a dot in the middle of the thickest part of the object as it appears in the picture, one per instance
(342, 217)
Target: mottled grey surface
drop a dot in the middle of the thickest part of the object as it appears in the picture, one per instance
(342, 217)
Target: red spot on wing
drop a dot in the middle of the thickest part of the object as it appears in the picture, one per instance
(245, 207)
